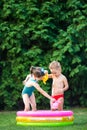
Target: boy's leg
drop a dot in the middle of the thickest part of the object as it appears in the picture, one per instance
(57, 105)
(60, 104)
(33, 102)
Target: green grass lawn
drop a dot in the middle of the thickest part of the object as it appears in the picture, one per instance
(8, 122)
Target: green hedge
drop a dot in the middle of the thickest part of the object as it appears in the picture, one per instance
(35, 32)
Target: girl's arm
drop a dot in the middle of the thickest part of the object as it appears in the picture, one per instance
(36, 85)
(26, 79)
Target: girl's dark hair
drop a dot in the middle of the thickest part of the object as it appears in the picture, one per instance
(37, 71)
(32, 68)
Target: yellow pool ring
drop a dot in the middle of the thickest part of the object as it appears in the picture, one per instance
(44, 119)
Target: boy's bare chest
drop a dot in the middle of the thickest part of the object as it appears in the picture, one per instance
(57, 82)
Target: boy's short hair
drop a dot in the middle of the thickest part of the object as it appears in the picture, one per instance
(54, 65)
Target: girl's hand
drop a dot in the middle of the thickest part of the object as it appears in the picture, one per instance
(53, 99)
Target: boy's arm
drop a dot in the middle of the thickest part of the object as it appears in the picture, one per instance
(66, 85)
(46, 77)
(50, 75)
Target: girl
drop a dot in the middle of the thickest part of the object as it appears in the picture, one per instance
(30, 85)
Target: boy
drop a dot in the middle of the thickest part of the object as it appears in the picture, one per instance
(59, 85)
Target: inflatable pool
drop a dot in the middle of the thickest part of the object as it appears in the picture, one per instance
(45, 118)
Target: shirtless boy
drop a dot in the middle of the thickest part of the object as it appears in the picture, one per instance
(59, 85)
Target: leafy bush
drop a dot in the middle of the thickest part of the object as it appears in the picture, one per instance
(36, 32)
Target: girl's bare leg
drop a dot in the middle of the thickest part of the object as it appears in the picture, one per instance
(33, 102)
(27, 102)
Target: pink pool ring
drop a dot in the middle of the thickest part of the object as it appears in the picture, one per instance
(45, 113)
